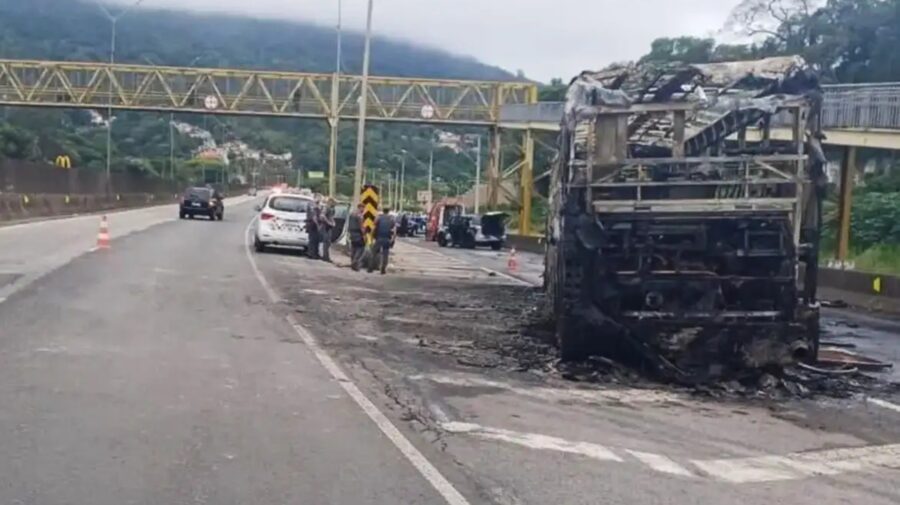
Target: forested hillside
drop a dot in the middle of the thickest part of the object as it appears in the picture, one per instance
(78, 30)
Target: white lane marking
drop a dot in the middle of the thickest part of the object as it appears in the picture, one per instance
(629, 396)
(803, 464)
(534, 441)
(434, 477)
(660, 463)
(883, 404)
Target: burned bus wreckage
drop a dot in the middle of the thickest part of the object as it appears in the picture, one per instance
(678, 230)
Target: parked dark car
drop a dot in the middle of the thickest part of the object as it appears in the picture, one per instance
(201, 201)
(471, 231)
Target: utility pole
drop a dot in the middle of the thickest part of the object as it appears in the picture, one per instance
(335, 116)
(397, 190)
(389, 200)
(430, 177)
(478, 175)
(402, 180)
(363, 104)
(172, 145)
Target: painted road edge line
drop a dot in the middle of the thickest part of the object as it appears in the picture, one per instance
(883, 404)
(434, 477)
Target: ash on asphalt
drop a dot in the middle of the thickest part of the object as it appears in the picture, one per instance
(416, 325)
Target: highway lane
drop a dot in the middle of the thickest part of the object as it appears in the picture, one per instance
(158, 372)
(32, 250)
(442, 340)
(161, 372)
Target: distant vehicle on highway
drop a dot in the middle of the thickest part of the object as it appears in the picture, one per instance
(472, 231)
(202, 201)
(282, 222)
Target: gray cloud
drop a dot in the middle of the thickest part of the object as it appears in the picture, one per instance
(544, 38)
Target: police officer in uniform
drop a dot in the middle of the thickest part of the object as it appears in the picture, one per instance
(385, 230)
(357, 235)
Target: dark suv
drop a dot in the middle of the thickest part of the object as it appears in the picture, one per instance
(203, 202)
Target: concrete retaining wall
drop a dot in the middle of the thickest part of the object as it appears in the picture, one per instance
(20, 206)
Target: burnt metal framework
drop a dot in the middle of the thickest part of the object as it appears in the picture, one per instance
(259, 93)
(674, 236)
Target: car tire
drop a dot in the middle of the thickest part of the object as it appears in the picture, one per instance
(181, 215)
(496, 246)
(259, 246)
(190, 216)
(442, 240)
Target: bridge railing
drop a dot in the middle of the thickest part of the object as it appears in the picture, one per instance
(862, 106)
(541, 112)
(846, 106)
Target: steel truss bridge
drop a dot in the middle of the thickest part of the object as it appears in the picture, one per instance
(330, 97)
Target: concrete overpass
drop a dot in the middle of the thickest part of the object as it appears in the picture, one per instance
(854, 116)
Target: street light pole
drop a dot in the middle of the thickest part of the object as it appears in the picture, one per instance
(430, 177)
(478, 175)
(335, 116)
(402, 180)
(172, 145)
(114, 20)
(363, 105)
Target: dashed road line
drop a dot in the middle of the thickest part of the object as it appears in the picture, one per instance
(803, 464)
(660, 463)
(766, 468)
(883, 404)
(431, 474)
(604, 396)
(534, 441)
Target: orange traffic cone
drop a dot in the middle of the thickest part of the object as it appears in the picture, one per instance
(103, 235)
(512, 264)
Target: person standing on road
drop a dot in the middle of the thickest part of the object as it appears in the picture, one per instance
(385, 231)
(313, 218)
(357, 235)
(325, 228)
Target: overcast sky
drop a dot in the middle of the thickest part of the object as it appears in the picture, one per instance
(544, 38)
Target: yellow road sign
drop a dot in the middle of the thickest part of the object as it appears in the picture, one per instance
(370, 200)
(876, 284)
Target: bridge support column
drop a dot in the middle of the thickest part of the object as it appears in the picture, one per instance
(332, 157)
(493, 172)
(848, 174)
(526, 180)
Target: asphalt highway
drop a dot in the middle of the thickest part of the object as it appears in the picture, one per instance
(179, 367)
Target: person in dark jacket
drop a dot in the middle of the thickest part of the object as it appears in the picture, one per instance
(313, 220)
(325, 227)
(385, 230)
(357, 236)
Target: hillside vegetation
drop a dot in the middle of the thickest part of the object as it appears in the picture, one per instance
(76, 30)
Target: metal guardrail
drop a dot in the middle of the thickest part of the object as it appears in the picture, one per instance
(846, 106)
(862, 106)
(541, 112)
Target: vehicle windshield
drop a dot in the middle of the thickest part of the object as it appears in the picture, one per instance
(289, 204)
(201, 193)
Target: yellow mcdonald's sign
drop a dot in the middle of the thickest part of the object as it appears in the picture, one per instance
(63, 161)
